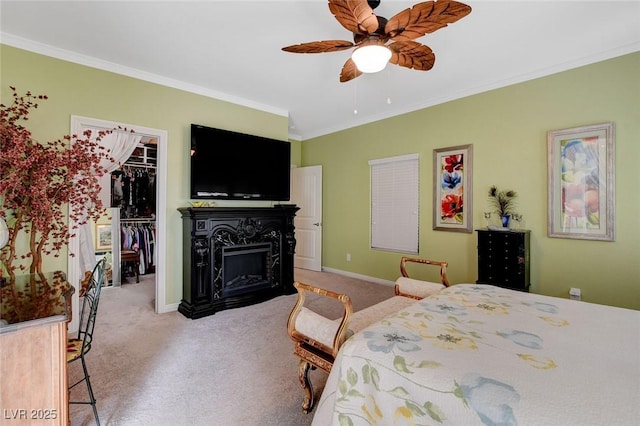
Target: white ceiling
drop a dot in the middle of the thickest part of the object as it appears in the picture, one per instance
(231, 50)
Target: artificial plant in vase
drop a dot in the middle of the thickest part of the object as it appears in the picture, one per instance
(503, 202)
(41, 186)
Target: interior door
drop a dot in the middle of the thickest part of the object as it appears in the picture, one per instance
(306, 193)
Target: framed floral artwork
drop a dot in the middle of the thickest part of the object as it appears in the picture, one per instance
(452, 188)
(581, 176)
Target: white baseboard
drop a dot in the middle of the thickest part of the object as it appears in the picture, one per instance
(359, 276)
(168, 308)
(174, 306)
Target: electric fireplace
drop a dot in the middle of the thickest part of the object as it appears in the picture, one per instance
(234, 257)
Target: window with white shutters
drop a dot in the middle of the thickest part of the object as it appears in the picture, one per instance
(395, 203)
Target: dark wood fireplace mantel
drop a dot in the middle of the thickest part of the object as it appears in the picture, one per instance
(213, 237)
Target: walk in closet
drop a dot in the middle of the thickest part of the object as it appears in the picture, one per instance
(133, 201)
(134, 208)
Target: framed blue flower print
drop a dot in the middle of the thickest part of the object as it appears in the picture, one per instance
(581, 182)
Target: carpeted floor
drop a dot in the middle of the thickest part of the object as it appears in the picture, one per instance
(232, 368)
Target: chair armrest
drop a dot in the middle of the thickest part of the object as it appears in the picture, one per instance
(443, 267)
(305, 325)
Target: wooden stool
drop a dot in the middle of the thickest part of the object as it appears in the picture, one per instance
(127, 256)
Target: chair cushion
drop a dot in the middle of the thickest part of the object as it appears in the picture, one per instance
(418, 288)
(316, 327)
(74, 349)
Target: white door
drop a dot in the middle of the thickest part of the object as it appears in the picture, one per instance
(306, 193)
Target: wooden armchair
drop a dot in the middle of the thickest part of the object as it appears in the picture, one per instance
(318, 339)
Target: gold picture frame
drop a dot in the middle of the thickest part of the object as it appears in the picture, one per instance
(103, 237)
(581, 179)
(452, 188)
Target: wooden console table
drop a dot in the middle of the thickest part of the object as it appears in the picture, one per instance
(33, 361)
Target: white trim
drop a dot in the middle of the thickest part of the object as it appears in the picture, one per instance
(67, 55)
(359, 276)
(481, 88)
(172, 307)
(73, 272)
(55, 52)
(394, 159)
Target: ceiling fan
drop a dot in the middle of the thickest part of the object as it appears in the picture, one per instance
(371, 33)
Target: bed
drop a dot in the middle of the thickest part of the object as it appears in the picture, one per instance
(479, 354)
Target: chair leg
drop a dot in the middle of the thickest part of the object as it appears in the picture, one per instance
(303, 377)
(92, 399)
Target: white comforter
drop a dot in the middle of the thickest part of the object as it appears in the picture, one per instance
(478, 354)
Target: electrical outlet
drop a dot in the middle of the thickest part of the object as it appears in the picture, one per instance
(348, 257)
(575, 294)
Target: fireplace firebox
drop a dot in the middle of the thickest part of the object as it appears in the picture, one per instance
(245, 268)
(234, 257)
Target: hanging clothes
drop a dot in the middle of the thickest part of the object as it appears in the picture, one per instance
(133, 189)
(141, 238)
(117, 188)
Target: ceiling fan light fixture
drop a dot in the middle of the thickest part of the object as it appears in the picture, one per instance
(371, 58)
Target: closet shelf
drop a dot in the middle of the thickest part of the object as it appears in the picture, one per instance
(138, 219)
(144, 155)
(142, 166)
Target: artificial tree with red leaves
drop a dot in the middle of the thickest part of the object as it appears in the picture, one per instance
(42, 185)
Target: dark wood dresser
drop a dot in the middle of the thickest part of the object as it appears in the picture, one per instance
(503, 258)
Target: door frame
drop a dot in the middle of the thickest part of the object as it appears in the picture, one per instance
(77, 125)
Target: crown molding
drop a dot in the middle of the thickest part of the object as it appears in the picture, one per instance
(89, 61)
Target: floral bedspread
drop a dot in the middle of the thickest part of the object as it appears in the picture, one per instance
(479, 354)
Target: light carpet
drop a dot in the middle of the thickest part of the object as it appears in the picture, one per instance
(232, 368)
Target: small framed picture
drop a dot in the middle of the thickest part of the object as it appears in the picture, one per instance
(452, 188)
(581, 183)
(103, 237)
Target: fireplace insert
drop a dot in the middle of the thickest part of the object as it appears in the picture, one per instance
(246, 268)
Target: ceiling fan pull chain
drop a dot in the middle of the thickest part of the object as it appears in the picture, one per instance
(388, 71)
(355, 98)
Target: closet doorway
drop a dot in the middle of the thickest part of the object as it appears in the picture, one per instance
(78, 126)
(130, 191)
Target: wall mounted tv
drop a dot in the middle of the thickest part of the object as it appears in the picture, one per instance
(227, 165)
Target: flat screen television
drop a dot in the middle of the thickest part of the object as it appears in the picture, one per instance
(227, 165)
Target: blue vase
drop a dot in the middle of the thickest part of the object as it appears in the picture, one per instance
(505, 220)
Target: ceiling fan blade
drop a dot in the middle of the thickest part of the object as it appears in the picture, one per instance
(349, 71)
(355, 15)
(411, 54)
(424, 18)
(319, 46)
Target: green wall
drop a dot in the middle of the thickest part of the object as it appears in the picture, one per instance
(78, 90)
(508, 129)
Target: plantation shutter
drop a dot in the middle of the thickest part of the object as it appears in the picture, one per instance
(395, 203)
